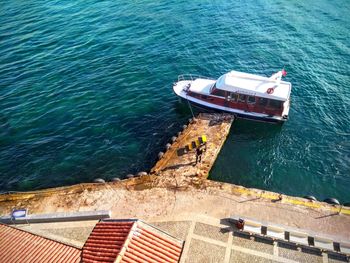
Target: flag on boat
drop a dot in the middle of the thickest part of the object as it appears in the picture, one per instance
(284, 73)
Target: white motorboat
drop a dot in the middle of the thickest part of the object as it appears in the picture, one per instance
(245, 95)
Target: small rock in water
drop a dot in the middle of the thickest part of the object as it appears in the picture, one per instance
(99, 180)
(116, 179)
(142, 174)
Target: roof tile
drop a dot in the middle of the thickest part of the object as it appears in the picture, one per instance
(20, 246)
(132, 241)
(105, 241)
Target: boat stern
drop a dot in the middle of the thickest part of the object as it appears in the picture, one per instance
(285, 112)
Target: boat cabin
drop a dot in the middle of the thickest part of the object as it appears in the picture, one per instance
(249, 102)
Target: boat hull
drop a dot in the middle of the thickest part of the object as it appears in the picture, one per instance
(239, 115)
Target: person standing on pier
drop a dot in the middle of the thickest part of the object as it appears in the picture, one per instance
(199, 152)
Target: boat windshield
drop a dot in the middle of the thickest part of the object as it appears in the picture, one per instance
(212, 88)
(218, 92)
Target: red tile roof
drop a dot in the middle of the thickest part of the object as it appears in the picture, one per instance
(130, 241)
(106, 241)
(20, 246)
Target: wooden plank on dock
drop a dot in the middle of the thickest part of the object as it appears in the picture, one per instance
(211, 129)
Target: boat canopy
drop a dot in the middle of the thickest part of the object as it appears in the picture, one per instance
(253, 85)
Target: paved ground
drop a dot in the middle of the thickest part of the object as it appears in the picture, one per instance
(177, 198)
(206, 240)
(209, 240)
(71, 233)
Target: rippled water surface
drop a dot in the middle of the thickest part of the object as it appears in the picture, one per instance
(85, 89)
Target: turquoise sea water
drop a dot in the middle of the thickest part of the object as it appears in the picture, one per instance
(86, 89)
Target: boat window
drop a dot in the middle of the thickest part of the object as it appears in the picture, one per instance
(232, 96)
(276, 104)
(251, 100)
(213, 88)
(242, 97)
(263, 101)
(219, 92)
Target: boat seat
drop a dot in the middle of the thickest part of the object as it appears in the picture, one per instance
(323, 243)
(299, 238)
(275, 232)
(344, 248)
(252, 227)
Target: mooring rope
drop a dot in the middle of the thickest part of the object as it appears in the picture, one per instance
(189, 104)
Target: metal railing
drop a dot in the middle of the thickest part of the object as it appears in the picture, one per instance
(191, 77)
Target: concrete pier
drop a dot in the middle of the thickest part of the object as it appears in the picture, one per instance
(215, 128)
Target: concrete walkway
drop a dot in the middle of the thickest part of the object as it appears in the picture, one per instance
(207, 239)
(71, 233)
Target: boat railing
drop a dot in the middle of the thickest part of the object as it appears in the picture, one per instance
(191, 77)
